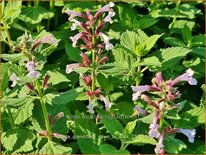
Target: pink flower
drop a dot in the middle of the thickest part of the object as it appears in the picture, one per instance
(106, 102)
(75, 24)
(30, 65)
(108, 18)
(48, 39)
(189, 133)
(75, 39)
(108, 45)
(106, 8)
(154, 126)
(73, 14)
(34, 74)
(70, 68)
(185, 77)
(138, 90)
(14, 79)
(159, 147)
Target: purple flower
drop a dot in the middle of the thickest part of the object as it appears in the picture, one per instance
(90, 108)
(138, 90)
(185, 77)
(75, 39)
(189, 133)
(159, 147)
(75, 24)
(14, 79)
(34, 74)
(108, 18)
(154, 126)
(108, 45)
(140, 110)
(106, 102)
(106, 8)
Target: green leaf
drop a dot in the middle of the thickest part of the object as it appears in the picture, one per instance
(57, 77)
(125, 108)
(86, 134)
(186, 34)
(198, 51)
(147, 119)
(34, 15)
(172, 145)
(129, 128)
(73, 53)
(62, 98)
(9, 139)
(173, 41)
(146, 22)
(13, 57)
(12, 11)
(198, 40)
(112, 125)
(105, 82)
(24, 112)
(171, 56)
(5, 77)
(55, 148)
(109, 149)
(151, 62)
(195, 115)
(141, 140)
(18, 140)
(16, 102)
(172, 114)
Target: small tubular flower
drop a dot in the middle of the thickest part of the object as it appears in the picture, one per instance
(75, 24)
(90, 107)
(154, 126)
(185, 77)
(106, 102)
(140, 110)
(70, 68)
(159, 149)
(138, 90)
(14, 79)
(108, 18)
(75, 39)
(106, 8)
(189, 133)
(108, 45)
(31, 68)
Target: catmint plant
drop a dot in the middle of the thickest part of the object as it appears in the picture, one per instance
(167, 93)
(94, 41)
(29, 47)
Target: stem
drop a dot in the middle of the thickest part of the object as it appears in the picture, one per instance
(162, 116)
(8, 38)
(44, 110)
(138, 72)
(51, 7)
(11, 120)
(36, 2)
(93, 70)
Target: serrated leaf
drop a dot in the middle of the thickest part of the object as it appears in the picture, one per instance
(35, 14)
(172, 114)
(73, 53)
(195, 115)
(15, 57)
(198, 40)
(24, 112)
(57, 77)
(147, 119)
(172, 145)
(55, 148)
(141, 140)
(125, 108)
(9, 139)
(16, 102)
(173, 41)
(112, 125)
(109, 149)
(129, 128)
(186, 34)
(86, 134)
(12, 11)
(105, 82)
(62, 98)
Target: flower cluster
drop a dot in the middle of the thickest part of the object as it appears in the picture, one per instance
(167, 93)
(94, 40)
(91, 28)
